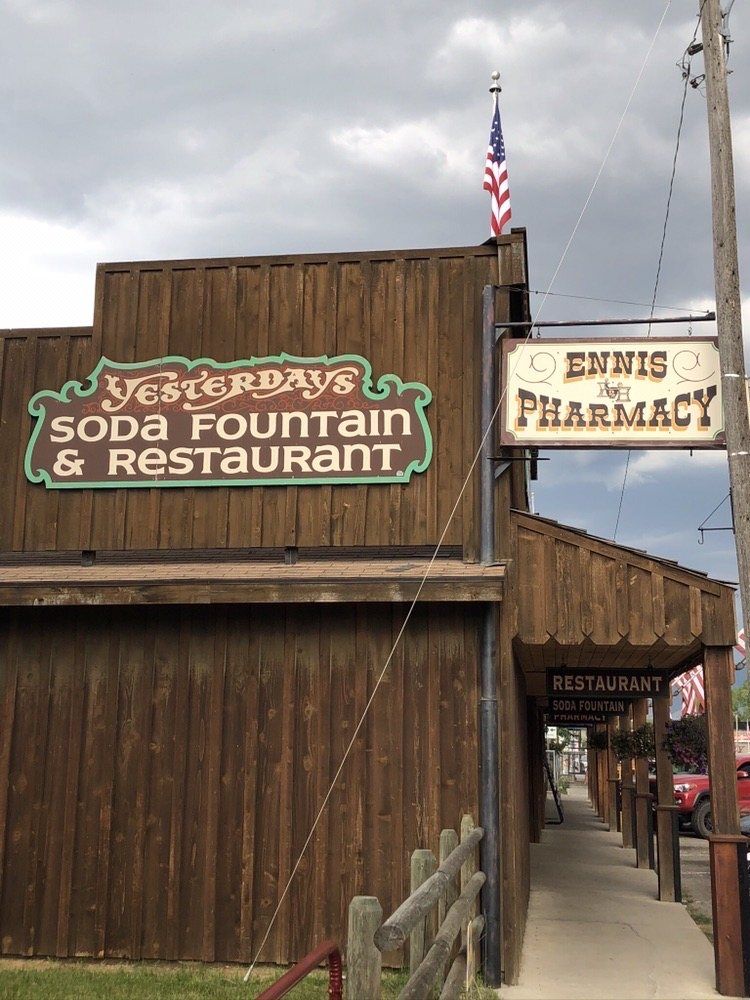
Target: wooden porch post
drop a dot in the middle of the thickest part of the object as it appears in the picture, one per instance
(628, 791)
(727, 849)
(601, 780)
(612, 780)
(667, 837)
(642, 796)
(598, 770)
(596, 760)
(537, 792)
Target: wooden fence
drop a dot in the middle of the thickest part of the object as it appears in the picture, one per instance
(440, 909)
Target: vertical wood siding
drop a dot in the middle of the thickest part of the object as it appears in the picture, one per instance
(160, 771)
(413, 313)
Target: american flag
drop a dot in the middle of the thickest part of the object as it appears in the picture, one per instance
(740, 644)
(496, 177)
(691, 686)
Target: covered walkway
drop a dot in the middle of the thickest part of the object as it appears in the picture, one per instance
(595, 928)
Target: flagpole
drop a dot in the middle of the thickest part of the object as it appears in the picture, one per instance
(490, 775)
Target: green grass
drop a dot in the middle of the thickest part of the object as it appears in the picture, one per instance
(704, 922)
(24, 979)
(480, 992)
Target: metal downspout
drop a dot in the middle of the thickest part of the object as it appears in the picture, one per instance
(489, 775)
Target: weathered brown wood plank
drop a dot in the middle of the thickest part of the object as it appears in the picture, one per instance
(160, 780)
(272, 666)
(178, 788)
(74, 506)
(77, 682)
(177, 505)
(215, 740)
(120, 317)
(151, 332)
(9, 670)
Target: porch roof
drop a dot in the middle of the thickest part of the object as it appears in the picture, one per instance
(585, 601)
(314, 580)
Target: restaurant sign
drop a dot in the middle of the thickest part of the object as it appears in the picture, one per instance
(634, 393)
(570, 682)
(267, 421)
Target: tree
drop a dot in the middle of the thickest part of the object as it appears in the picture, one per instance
(741, 701)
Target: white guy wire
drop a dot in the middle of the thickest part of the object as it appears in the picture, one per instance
(452, 512)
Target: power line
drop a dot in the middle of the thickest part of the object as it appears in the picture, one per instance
(452, 513)
(686, 81)
(617, 302)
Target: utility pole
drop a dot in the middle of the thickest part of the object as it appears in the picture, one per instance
(727, 283)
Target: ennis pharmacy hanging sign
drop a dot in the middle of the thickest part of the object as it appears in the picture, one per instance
(612, 393)
(268, 421)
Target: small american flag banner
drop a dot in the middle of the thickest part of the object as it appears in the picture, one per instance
(496, 177)
(691, 686)
(740, 644)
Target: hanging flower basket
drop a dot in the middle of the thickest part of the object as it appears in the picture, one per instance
(686, 743)
(597, 741)
(630, 744)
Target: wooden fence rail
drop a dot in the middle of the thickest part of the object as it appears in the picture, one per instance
(422, 980)
(437, 916)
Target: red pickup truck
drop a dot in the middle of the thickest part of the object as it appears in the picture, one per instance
(692, 796)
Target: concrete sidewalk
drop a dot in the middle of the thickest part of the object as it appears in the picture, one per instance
(596, 930)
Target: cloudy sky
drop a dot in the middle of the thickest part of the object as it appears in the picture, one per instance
(191, 129)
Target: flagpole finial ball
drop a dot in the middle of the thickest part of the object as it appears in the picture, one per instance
(495, 74)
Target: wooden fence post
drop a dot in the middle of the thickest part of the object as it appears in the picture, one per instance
(423, 864)
(473, 952)
(468, 868)
(448, 844)
(363, 959)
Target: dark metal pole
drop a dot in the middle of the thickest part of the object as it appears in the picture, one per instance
(489, 773)
(487, 515)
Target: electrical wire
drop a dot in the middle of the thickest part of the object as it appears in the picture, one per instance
(452, 513)
(686, 81)
(619, 302)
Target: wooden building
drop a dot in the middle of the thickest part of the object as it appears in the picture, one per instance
(181, 669)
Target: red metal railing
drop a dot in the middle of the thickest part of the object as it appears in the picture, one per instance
(329, 950)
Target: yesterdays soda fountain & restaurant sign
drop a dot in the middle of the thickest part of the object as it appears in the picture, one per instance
(269, 421)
